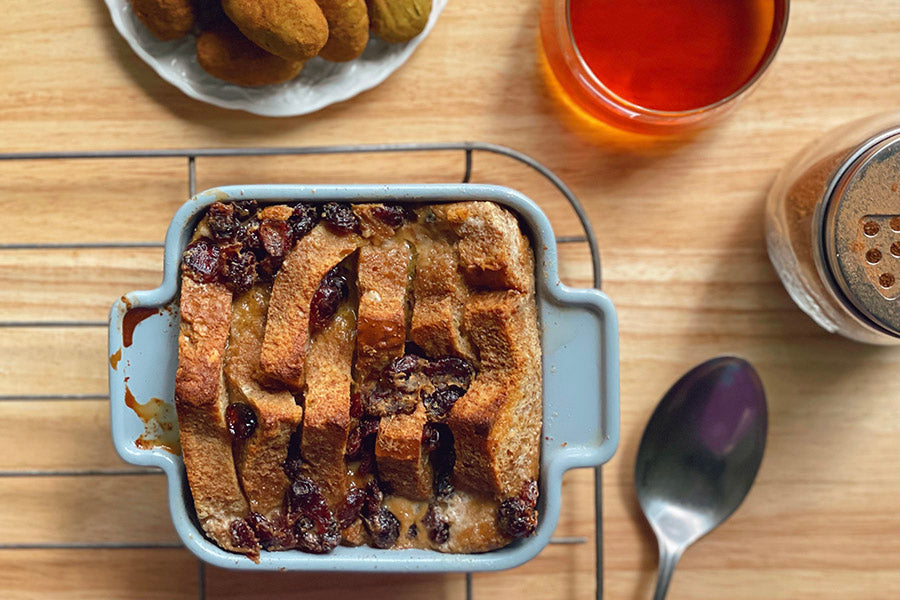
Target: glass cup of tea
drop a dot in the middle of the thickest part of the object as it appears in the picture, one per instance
(660, 66)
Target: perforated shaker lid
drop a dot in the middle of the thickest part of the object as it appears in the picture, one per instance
(861, 231)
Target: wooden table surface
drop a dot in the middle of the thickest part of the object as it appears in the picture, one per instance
(680, 228)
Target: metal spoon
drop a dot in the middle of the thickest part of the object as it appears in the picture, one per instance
(699, 455)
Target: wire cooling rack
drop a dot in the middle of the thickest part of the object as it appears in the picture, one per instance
(468, 152)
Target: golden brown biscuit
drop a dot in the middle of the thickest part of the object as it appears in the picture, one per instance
(166, 19)
(226, 54)
(292, 29)
(348, 29)
(398, 21)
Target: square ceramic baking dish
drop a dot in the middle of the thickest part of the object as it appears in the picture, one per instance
(579, 340)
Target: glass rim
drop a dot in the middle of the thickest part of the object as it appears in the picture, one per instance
(637, 109)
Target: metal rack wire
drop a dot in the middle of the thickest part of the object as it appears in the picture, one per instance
(468, 150)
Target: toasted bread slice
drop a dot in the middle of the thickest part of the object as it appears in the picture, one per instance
(200, 401)
(326, 418)
(497, 423)
(440, 294)
(494, 254)
(383, 283)
(287, 327)
(260, 458)
(402, 461)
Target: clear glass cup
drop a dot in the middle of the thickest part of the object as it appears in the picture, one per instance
(579, 83)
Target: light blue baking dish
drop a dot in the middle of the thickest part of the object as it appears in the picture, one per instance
(580, 374)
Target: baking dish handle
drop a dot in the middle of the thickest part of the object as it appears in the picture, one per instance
(581, 420)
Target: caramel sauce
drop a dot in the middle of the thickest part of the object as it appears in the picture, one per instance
(115, 358)
(158, 417)
(132, 318)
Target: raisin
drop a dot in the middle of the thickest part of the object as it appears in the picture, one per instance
(293, 461)
(238, 267)
(373, 498)
(275, 237)
(369, 427)
(393, 215)
(267, 267)
(340, 218)
(303, 219)
(356, 407)
(450, 370)
(244, 209)
(222, 222)
(316, 529)
(530, 493)
(313, 538)
(384, 528)
(517, 519)
(241, 420)
(248, 236)
(367, 464)
(431, 437)
(437, 525)
(438, 404)
(443, 459)
(201, 261)
(354, 444)
(333, 290)
(412, 532)
(403, 367)
(350, 508)
(384, 402)
(242, 534)
(263, 529)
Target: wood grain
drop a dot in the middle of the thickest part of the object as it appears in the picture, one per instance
(679, 222)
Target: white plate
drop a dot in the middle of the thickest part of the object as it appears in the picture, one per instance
(320, 84)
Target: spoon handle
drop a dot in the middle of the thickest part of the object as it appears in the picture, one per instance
(668, 558)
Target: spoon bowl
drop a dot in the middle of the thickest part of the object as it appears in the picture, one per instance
(699, 455)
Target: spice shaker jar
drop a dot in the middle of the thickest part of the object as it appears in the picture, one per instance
(833, 229)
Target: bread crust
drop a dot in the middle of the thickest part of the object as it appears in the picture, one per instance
(259, 459)
(200, 402)
(326, 418)
(284, 347)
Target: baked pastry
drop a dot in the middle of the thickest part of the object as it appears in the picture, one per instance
(360, 374)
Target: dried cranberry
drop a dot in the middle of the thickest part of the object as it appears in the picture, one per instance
(241, 420)
(431, 438)
(275, 237)
(450, 370)
(350, 508)
(384, 528)
(340, 218)
(238, 267)
(356, 407)
(517, 519)
(439, 403)
(201, 261)
(437, 525)
(293, 461)
(303, 219)
(223, 224)
(373, 499)
(393, 215)
(412, 532)
(242, 534)
(333, 290)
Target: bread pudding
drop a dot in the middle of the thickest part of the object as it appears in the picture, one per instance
(360, 374)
